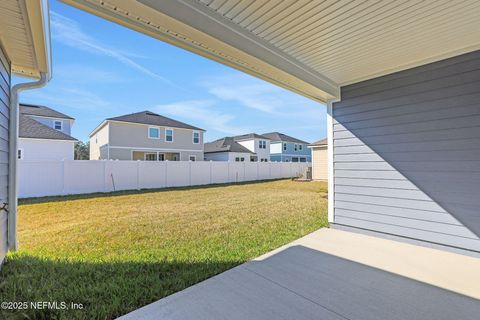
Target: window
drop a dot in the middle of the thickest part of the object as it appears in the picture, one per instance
(196, 137)
(237, 159)
(154, 133)
(303, 159)
(192, 158)
(296, 147)
(150, 157)
(20, 154)
(161, 157)
(262, 144)
(242, 159)
(58, 125)
(263, 160)
(284, 147)
(294, 159)
(169, 135)
(300, 147)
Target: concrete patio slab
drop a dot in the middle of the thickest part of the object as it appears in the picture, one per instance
(334, 274)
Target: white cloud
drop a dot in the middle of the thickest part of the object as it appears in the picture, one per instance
(69, 32)
(204, 113)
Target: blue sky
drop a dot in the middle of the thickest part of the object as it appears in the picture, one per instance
(101, 70)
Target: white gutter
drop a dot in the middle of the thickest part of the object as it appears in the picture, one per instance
(13, 156)
(13, 132)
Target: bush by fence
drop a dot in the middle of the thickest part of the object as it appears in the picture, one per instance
(51, 178)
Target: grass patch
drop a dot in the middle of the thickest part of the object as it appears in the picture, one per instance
(115, 253)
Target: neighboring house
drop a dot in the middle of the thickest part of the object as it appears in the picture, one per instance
(319, 159)
(44, 134)
(287, 149)
(146, 136)
(227, 149)
(258, 144)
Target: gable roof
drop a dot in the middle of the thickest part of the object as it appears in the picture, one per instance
(277, 136)
(227, 144)
(323, 142)
(249, 136)
(151, 118)
(42, 111)
(30, 128)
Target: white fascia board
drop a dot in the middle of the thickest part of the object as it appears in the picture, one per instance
(192, 26)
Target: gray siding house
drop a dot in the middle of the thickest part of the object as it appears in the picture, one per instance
(227, 149)
(146, 136)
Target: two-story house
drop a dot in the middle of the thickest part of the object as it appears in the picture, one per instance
(146, 136)
(258, 144)
(227, 149)
(44, 134)
(285, 148)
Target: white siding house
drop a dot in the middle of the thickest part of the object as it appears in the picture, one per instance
(257, 144)
(227, 149)
(44, 134)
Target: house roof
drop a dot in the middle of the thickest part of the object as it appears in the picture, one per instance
(42, 111)
(30, 128)
(323, 142)
(277, 136)
(227, 144)
(249, 136)
(151, 118)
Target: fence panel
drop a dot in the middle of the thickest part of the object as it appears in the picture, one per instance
(51, 178)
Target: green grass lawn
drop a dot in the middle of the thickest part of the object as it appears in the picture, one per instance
(117, 252)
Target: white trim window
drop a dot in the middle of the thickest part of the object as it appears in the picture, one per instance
(169, 135)
(192, 158)
(151, 156)
(296, 147)
(58, 125)
(284, 146)
(262, 144)
(20, 154)
(153, 133)
(196, 137)
(300, 147)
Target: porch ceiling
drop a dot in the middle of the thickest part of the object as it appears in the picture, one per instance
(308, 46)
(25, 36)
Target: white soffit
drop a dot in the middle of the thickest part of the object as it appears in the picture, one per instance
(308, 46)
(25, 36)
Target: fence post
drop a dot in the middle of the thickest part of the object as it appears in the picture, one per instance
(63, 176)
(211, 163)
(189, 172)
(166, 174)
(138, 174)
(104, 175)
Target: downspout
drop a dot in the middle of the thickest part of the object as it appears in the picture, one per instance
(13, 156)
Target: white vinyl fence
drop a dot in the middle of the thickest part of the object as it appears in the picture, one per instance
(52, 178)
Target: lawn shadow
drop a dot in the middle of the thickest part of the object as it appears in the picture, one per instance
(38, 200)
(106, 290)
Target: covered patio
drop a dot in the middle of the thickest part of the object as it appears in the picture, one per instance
(334, 274)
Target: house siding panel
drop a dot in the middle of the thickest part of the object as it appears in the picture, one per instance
(4, 116)
(407, 153)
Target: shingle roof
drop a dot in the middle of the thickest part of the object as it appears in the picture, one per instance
(323, 142)
(30, 128)
(227, 144)
(277, 136)
(250, 136)
(151, 118)
(42, 111)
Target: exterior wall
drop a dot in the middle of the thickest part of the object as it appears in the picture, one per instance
(99, 144)
(116, 153)
(407, 156)
(4, 118)
(278, 154)
(252, 145)
(136, 135)
(42, 149)
(49, 122)
(319, 163)
(227, 156)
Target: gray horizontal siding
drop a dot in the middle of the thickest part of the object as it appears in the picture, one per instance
(4, 116)
(407, 153)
